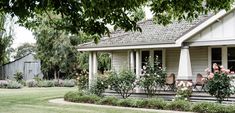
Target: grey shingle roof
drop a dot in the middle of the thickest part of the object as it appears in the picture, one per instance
(151, 34)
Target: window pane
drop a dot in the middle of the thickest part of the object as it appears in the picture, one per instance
(216, 56)
(145, 57)
(231, 58)
(158, 54)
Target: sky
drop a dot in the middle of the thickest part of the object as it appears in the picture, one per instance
(23, 35)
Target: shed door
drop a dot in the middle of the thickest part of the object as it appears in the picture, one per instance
(31, 69)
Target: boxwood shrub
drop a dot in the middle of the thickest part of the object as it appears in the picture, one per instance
(208, 107)
(179, 105)
(82, 97)
(108, 101)
(152, 103)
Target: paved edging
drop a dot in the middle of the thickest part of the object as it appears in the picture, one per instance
(61, 101)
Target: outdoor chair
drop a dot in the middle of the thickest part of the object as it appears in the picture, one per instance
(199, 82)
(170, 82)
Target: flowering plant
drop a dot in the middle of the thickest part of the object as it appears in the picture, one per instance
(184, 90)
(154, 77)
(218, 82)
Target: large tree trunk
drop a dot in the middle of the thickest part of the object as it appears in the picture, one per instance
(55, 74)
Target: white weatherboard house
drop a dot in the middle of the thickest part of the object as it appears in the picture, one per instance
(184, 48)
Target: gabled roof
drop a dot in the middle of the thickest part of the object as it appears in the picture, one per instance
(151, 34)
(19, 58)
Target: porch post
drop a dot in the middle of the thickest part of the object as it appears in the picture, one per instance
(132, 64)
(138, 65)
(185, 69)
(90, 69)
(95, 62)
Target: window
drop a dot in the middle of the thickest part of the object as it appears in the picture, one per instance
(145, 58)
(158, 54)
(153, 53)
(216, 56)
(231, 58)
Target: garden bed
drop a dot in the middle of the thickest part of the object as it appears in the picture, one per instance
(149, 103)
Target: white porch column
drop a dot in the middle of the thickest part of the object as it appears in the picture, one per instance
(138, 68)
(90, 69)
(132, 60)
(185, 69)
(225, 57)
(95, 64)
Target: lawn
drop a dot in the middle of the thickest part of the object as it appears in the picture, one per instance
(35, 100)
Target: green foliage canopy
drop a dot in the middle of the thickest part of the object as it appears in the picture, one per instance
(24, 49)
(92, 16)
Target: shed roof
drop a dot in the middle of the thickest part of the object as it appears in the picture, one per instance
(151, 34)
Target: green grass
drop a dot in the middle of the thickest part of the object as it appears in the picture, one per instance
(35, 100)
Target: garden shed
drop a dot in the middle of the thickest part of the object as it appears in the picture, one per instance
(28, 65)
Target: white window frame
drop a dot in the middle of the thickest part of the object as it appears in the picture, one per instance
(151, 53)
(224, 55)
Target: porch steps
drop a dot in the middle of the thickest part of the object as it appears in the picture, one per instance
(169, 95)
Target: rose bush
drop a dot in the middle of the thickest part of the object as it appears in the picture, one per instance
(219, 82)
(184, 91)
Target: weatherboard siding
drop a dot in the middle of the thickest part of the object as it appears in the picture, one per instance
(199, 60)
(27, 65)
(119, 60)
(172, 60)
(222, 29)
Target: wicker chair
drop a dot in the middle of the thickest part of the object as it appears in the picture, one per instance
(170, 82)
(199, 82)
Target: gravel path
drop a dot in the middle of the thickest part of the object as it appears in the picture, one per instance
(61, 101)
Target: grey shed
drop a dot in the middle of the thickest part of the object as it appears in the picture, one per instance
(28, 65)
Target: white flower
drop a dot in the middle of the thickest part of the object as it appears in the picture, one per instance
(185, 99)
(189, 84)
(144, 67)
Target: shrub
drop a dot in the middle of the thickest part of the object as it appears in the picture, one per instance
(68, 83)
(37, 78)
(31, 83)
(179, 105)
(156, 103)
(58, 82)
(123, 83)
(98, 87)
(82, 80)
(13, 85)
(18, 76)
(219, 83)
(45, 83)
(81, 97)
(184, 91)
(154, 76)
(153, 103)
(3, 83)
(207, 107)
(126, 102)
(108, 101)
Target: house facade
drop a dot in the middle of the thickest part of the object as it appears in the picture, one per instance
(184, 48)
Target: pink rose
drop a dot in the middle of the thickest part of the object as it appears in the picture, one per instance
(232, 72)
(207, 70)
(211, 75)
(227, 71)
(223, 70)
(216, 71)
(215, 66)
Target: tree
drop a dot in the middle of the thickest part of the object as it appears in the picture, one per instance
(92, 16)
(5, 39)
(24, 49)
